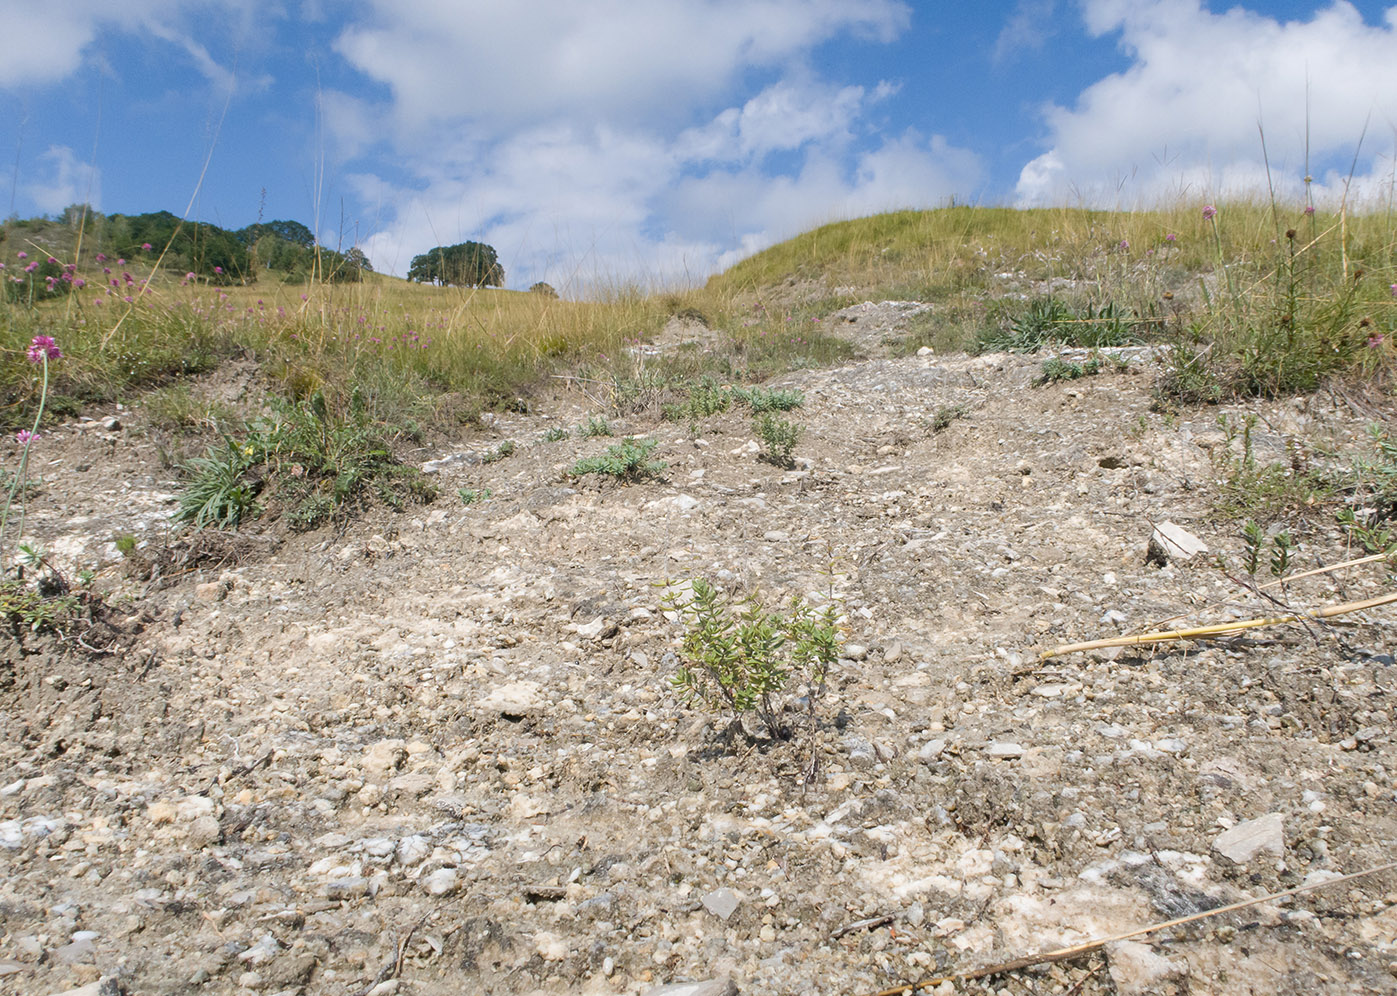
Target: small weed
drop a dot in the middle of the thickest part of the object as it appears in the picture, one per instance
(1057, 369)
(779, 437)
(1254, 542)
(220, 492)
(555, 434)
(125, 544)
(1266, 492)
(469, 496)
(32, 608)
(628, 460)
(760, 400)
(706, 398)
(740, 657)
(316, 460)
(942, 418)
(505, 449)
(596, 425)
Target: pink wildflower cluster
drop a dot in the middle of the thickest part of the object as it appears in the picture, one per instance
(42, 348)
(24, 437)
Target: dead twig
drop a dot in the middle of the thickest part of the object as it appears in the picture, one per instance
(1077, 950)
(870, 924)
(1220, 629)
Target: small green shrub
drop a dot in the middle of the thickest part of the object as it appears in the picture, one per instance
(555, 434)
(314, 462)
(505, 449)
(1057, 369)
(469, 496)
(942, 418)
(706, 398)
(125, 544)
(628, 460)
(220, 493)
(1250, 489)
(761, 400)
(596, 425)
(740, 657)
(778, 436)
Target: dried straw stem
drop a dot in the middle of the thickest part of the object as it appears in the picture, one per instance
(1220, 629)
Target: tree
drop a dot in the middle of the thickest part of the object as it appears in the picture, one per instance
(546, 290)
(292, 231)
(467, 264)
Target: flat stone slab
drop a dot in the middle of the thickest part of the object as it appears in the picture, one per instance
(1248, 839)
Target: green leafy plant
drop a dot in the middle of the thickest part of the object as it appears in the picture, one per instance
(740, 657)
(312, 461)
(1263, 491)
(628, 460)
(505, 449)
(220, 492)
(469, 496)
(706, 398)
(778, 436)
(942, 418)
(760, 400)
(1057, 369)
(596, 425)
(555, 434)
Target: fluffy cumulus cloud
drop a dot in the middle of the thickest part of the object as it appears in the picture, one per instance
(41, 46)
(1182, 120)
(588, 142)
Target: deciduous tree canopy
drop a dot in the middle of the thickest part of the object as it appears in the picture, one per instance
(469, 264)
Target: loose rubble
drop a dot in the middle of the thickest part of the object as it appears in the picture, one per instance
(438, 753)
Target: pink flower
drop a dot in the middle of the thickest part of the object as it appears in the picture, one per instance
(218, 269)
(1394, 290)
(121, 262)
(1375, 340)
(101, 257)
(42, 347)
(21, 255)
(1209, 212)
(1309, 209)
(24, 437)
(1125, 243)
(53, 261)
(1171, 237)
(31, 267)
(145, 246)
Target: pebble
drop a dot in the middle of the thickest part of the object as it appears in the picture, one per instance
(1248, 839)
(722, 903)
(931, 750)
(442, 882)
(1004, 749)
(710, 987)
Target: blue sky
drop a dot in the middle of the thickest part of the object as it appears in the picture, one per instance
(653, 140)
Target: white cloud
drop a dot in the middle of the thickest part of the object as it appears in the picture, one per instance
(1028, 27)
(581, 141)
(499, 64)
(784, 116)
(68, 180)
(40, 47)
(1182, 119)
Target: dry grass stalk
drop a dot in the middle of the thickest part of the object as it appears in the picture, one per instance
(1087, 947)
(1220, 629)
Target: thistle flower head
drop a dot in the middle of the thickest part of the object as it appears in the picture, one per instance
(42, 347)
(1209, 212)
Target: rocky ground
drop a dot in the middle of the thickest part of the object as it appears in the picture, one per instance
(437, 752)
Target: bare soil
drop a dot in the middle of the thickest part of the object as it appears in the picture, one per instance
(436, 752)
